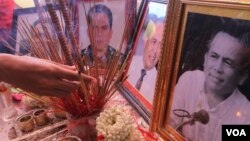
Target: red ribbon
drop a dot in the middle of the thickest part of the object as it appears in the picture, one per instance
(148, 136)
(100, 138)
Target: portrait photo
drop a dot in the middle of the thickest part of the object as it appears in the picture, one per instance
(212, 79)
(142, 72)
(23, 20)
(104, 22)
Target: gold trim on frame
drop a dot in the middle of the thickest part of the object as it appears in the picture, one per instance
(172, 48)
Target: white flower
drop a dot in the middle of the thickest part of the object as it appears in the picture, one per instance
(116, 124)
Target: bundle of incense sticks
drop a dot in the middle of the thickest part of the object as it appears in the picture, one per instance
(63, 48)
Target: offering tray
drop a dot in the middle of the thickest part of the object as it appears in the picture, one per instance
(54, 127)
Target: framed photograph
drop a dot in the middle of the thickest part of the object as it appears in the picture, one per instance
(117, 13)
(142, 71)
(203, 71)
(26, 18)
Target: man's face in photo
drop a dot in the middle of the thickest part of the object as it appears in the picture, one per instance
(221, 66)
(152, 47)
(39, 34)
(102, 32)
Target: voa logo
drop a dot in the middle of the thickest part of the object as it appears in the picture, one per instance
(236, 132)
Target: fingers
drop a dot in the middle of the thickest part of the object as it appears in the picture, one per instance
(63, 88)
(89, 79)
(57, 92)
(69, 85)
(73, 76)
(70, 78)
(62, 91)
(57, 87)
(73, 68)
(70, 73)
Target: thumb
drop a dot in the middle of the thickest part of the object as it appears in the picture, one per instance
(88, 78)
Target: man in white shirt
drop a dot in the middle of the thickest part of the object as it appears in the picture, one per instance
(147, 62)
(215, 90)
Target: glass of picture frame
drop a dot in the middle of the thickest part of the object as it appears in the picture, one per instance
(186, 111)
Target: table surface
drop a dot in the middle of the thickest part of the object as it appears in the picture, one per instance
(116, 99)
(6, 125)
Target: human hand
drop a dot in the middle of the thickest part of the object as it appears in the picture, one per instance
(40, 76)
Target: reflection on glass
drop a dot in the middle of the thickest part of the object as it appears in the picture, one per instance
(214, 67)
(143, 69)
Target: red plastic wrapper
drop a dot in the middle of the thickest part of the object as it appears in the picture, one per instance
(6, 12)
(83, 128)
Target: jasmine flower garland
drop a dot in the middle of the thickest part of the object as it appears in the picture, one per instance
(116, 124)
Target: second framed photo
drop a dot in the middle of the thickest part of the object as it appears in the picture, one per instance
(142, 71)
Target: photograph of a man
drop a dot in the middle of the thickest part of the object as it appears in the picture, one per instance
(100, 21)
(142, 72)
(40, 37)
(215, 88)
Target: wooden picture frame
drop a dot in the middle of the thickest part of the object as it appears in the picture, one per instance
(151, 14)
(193, 25)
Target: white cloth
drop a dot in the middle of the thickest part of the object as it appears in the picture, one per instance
(149, 80)
(189, 95)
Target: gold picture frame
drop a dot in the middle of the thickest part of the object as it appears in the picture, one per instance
(174, 53)
(151, 12)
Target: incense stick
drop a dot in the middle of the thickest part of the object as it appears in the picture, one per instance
(89, 97)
